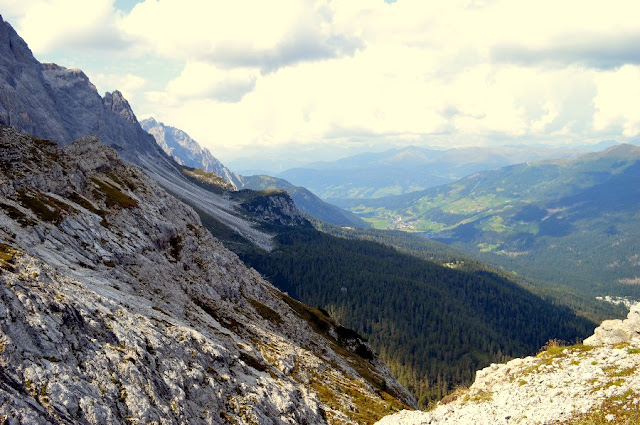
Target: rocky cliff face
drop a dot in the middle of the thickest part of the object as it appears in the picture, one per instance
(592, 383)
(60, 104)
(117, 306)
(274, 207)
(187, 151)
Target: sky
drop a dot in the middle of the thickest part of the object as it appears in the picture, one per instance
(317, 79)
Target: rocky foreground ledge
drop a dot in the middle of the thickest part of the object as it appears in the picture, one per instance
(118, 307)
(591, 383)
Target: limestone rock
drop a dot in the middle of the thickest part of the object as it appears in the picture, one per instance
(617, 331)
(559, 386)
(117, 306)
(187, 151)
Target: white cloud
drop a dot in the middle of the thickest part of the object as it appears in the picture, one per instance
(241, 33)
(49, 25)
(203, 80)
(247, 74)
(618, 101)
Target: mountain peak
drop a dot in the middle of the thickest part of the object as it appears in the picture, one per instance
(150, 122)
(116, 103)
(186, 151)
(622, 151)
(13, 47)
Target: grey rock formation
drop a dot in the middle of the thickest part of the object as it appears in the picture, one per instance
(117, 306)
(23, 100)
(187, 151)
(60, 104)
(305, 201)
(617, 331)
(594, 382)
(279, 209)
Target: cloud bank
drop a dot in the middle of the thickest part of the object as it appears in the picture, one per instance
(245, 75)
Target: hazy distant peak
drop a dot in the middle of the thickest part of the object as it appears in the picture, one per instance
(186, 150)
(623, 149)
(150, 122)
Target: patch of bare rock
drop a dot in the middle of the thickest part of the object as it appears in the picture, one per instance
(596, 382)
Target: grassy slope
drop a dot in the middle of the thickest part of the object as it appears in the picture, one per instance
(571, 223)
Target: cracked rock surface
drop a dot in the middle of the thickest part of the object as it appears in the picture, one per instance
(594, 382)
(117, 306)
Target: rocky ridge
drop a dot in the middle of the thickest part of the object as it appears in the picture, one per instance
(117, 306)
(592, 383)
(305, 201)
(61, 105)
(187, 151)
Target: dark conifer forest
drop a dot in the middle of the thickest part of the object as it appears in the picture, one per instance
(433, 325)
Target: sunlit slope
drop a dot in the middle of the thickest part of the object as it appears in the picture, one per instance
(572, 222)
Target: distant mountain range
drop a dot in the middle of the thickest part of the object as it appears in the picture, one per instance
(187, 151)
(306, 201)
(400, 171)
(568, 222)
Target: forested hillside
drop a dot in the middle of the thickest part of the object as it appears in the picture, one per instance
(435, 326)
(446, 255)
(564, 223)
(306, 201)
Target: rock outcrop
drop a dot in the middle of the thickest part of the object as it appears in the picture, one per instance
(187, 151)
(60, 104)
(617, 331)
(305, 201)
(594, 382)
(117, 306)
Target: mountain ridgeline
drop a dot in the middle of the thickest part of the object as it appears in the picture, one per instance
(578, 218)
(187, 151)
(404, 170)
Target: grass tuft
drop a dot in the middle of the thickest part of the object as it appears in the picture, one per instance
(112, 195)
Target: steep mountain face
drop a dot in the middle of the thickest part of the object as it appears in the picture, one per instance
(116, 305)
(594, 383)
(59, 104)
(410, 169)
(563, 222)
(305, 201)
(187, 151)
